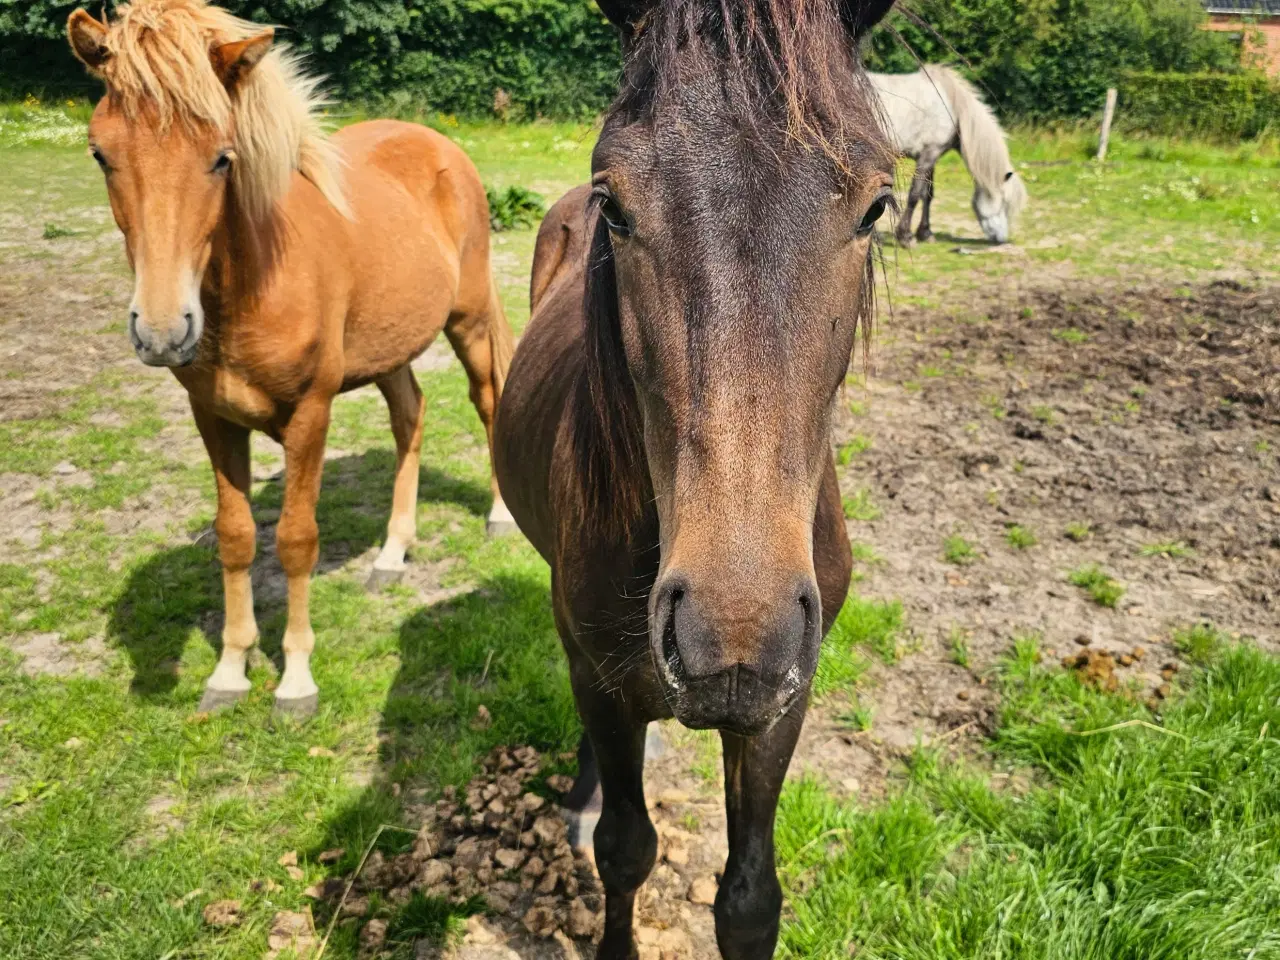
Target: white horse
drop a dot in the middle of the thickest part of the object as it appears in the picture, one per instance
(935, 110)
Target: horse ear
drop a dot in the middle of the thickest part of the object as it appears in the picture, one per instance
(88, 40)
(625, 14)
(233, 61)
(861, 15)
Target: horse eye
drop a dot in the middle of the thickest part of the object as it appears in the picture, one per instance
(223, 163)
(873, 214)
(614, 218)
(99, 158)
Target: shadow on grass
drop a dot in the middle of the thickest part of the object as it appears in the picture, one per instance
(179, 588)
(962, 241)
(495, 646)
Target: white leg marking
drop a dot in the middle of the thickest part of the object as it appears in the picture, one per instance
(391, 556)
(500, 513)
(229, 675)
(296, 682)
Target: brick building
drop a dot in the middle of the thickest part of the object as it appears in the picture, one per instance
(1258, 24)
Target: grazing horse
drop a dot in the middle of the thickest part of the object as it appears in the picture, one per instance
(935, 110)
(664, 437)
(276, 268)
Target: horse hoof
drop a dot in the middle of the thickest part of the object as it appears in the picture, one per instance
(500, 528)
(903, 241)
(215, 700)
(380, 579)
(298, 708)
(925, 238)
(582, 829)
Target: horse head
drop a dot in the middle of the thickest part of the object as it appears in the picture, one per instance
(201, 115)
(738, 180)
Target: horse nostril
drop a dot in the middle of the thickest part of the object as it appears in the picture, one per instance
(670, 645)
(189, 317)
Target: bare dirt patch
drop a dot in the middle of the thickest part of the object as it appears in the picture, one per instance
(49, 654)
(1148, 419)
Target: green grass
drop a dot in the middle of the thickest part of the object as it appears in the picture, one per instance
(861, 625)
(1071, 335)
(1199, 643)
(859, 506)
(860, 717)
(117, 801)
(1078, 530)
(54, 232)
(956, 549)
(1099, 585)
(1019, 537)
(1173, 549)
(958, 643)
(847, 451)
(1045, 414)
(1131, 843)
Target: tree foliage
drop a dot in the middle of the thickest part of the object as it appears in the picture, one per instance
(555, 57)
(1051, 58)
(1036, 59)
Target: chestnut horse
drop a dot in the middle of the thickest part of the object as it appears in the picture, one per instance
(276, 268)
(664, 436)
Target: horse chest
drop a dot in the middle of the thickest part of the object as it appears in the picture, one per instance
(237, 399)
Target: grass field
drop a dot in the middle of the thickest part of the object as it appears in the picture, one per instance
(1071, 833)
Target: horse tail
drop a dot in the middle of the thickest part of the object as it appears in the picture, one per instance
(502, 344)
(982, 141)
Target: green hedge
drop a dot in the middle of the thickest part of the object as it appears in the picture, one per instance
(1215, 105)
(1051, 59)
(1036, 59)
(557, 58)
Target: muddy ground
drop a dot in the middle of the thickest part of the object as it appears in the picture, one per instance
(1151, 415)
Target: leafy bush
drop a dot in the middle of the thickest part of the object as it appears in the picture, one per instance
(516, 207)
(547, 57)
(1052, 59)
(1037, 59)
(1217, 105)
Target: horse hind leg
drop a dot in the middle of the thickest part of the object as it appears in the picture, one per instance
(924, 171)
(482, 340)
(407, 408)
(581, 806)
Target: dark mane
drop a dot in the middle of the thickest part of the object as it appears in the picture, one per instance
(788, 66)
(608, 442)
(790, 74)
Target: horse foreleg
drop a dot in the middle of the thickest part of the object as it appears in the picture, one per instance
(228, 447)
(407, 406)
(924, 172)
(749, 901)
(298, 544)
(626, 845)
(902, 233)
(482, 341)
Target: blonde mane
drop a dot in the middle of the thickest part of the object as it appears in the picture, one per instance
(982, 141)
(159, 61)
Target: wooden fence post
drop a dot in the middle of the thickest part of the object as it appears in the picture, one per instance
(1107, 116)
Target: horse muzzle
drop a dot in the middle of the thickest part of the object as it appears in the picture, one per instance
(739, 672)
(175, 345)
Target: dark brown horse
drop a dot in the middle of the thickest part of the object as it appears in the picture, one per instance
(664, 434)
